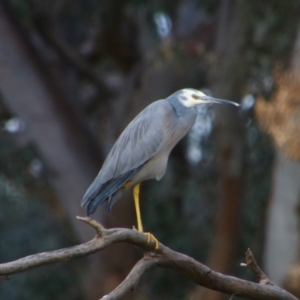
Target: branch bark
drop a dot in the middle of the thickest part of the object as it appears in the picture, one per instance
(163, 257)
(254, 267)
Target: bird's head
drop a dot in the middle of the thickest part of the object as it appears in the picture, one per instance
(192, 98)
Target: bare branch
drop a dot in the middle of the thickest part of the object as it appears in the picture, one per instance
(253, 266)
(97, 226)
(75, 60)
(163, 257)
(204, 276)
(132, 279)
(46, 27)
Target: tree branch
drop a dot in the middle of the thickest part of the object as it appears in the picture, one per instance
(254, 267)
(132, 279)
(163, 257)
(47, 29)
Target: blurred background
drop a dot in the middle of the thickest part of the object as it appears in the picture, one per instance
(74, 73)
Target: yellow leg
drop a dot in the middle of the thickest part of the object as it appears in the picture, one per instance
(136, 197)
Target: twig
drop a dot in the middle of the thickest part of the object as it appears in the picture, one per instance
(253, 266)
(163, 257)
(97, 226)
(45, 26)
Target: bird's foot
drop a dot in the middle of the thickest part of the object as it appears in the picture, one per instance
(150, 237)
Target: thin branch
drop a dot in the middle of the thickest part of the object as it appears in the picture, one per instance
(163, 257)
(109, 237)
(204, 276)
(253, 266)
(100, 230)
(132, 279)
(47, 29)
(75, 60)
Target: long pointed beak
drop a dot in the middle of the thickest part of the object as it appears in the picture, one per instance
(220, 101)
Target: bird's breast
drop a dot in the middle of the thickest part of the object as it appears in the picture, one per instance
(174, 127)
(154, 168)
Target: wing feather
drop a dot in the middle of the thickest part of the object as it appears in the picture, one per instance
(139, 142)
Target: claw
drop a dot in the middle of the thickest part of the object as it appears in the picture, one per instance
(151, 236)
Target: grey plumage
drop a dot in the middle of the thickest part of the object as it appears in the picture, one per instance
(142, 150)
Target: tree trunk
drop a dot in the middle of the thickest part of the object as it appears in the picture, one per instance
(282, 232)
(52, 124)
(227, 83)
(282, 246)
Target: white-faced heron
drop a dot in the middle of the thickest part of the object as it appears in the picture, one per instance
(142, 150)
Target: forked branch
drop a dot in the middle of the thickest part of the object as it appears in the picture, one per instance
(163, 257)
(254, 267)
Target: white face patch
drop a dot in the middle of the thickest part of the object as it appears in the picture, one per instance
(191, 98)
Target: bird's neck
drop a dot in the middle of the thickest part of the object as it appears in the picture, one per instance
(181, 110)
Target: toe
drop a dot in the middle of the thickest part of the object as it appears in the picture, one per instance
(150, 237)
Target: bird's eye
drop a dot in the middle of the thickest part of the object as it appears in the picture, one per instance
(195, 96)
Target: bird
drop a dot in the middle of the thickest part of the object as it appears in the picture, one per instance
(142, 150)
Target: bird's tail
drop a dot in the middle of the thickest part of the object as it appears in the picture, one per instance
(99, 193)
